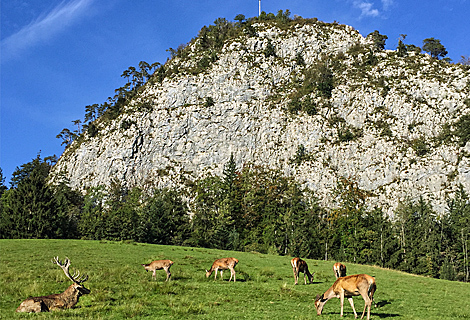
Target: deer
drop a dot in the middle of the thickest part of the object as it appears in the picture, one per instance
(299, 265)
(349, 286)
(65, 300)
(339, 270)
(159, 265)
(223, 264)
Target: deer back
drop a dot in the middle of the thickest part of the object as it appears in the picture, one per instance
(158, 265)
(67, 299)
(353, 285)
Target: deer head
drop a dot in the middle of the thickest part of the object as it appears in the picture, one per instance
(75, 278)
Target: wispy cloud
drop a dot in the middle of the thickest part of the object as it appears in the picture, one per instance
(44, 27)
(366, 8)
(387, 4)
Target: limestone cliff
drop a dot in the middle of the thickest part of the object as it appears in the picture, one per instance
(381, 124)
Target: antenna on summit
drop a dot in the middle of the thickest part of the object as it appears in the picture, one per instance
(259, 8)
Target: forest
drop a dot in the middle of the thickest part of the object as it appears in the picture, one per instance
(249, 209)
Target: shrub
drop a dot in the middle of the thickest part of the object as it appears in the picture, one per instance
(462, 129)
(209, 102)
(270, 50)
(420, 146)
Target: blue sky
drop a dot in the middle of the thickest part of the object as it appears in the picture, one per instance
(58, 56)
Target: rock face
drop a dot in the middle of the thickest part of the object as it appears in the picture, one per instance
(380, 127)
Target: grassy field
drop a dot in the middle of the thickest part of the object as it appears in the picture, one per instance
(121, 289)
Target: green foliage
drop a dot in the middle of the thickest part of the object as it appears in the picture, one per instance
(240, 18)
(323, 80)
(126, 124)
(299, 59)
(434, 48)
(270, 50)
(462, 129)
(164, 219)
(92, 130)
(247, 209)
(3, 188)
(420, 146)
(209, 102)
(419, 238)
(33, 209)
(305, 104)
(348, 133)
(413, 48)
(319, 79)
(401, 49)
(300, 156)
(378, 40)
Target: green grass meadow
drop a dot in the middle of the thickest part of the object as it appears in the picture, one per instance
(121, 289)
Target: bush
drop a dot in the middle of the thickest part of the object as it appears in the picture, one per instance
(209, 102)
(270, 50)
(420, 146)
(462, 129)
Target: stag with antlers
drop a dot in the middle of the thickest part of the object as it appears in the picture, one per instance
(67, 299)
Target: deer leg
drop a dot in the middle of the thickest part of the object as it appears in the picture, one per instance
(232, 274)
(216, 270)
(341, 298)
(154, 274)
(351, 302)
(168, 274)
(367, 304)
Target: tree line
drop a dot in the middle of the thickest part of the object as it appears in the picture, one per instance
(252, 208)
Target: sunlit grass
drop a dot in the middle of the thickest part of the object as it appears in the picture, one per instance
(121, 289)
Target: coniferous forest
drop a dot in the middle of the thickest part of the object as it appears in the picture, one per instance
(246, 209)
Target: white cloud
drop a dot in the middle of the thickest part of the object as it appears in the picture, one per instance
(386, 4)
(366, 8)
(43, 28)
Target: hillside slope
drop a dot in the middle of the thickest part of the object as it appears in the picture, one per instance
(318, 101)
(121, 289)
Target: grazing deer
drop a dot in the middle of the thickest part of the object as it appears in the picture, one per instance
(159, 265)
(339, 269)
(64, 300)
(358, 284)
(223, 264)
(299, 265)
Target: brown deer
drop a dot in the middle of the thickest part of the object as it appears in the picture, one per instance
(299, 265)
(223, 264)
(159, 265)
(64, 300)
(339, 270)
(349, 286)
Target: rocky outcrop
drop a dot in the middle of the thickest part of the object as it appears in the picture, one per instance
(380, 127)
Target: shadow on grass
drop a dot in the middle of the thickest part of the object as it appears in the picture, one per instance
(372, 314)
(380, 304)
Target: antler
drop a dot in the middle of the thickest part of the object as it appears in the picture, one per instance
(65, 266)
